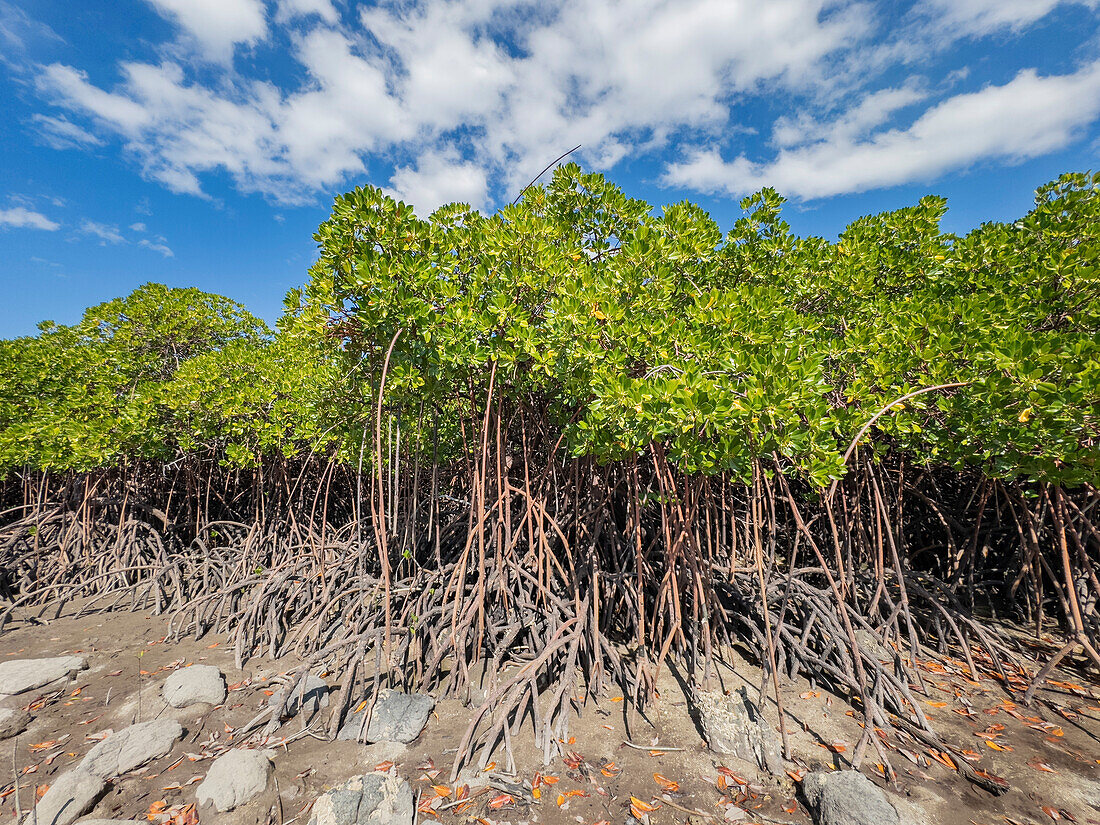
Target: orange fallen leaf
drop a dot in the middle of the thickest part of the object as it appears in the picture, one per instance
(666, 783)
(726, 772)
(639, 805)
(156, 808)
(1051, 811)
(383, 767)
(442, 791)
(550, 780)
(616, 698)
(809, 694)
(1041, 766)
(796, 775)
(996, 746)
(42, 790)
(937, 704)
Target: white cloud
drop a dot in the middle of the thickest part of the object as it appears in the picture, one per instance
(516, 82)
(162, 248)
(291, 9)
(469, 98)
(137, 227)
(21, 217)
(61, 133)
(439, 179)
(106, 233)
(1027, 117)
(217, 26)
(982, 17)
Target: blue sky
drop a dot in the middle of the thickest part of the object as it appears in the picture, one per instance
(200, 142)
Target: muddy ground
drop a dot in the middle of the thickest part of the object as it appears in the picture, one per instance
(1048, 753)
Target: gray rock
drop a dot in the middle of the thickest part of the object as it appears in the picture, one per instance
(847, 798)
(397, 717)
(733, 725)
(132, 747)
(235, 777)
(13, 721)
(190, 685)
(71, 795)
(313, 697)
(21, 675)
(373, 799)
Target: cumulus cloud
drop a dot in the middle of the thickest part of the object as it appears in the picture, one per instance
(983, 17)
(21, 217)
(1026, 117)
(439, 179)
(217, 26)
(291, 9)
(513, 83)
(468, 99)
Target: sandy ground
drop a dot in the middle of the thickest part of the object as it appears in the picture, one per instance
(1048, 753)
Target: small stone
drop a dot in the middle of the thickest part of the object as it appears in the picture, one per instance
(373, 799)
(313, 697)
(132, 747)
(847, 798)
(21, 675)
(733, 725)
(236, 777)
(397, 717)
(71, 795)
(190, 685)
(13, 721)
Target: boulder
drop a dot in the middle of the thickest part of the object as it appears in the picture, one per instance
(847, 798)
(235, 777)
(13, 721)
(734, 725)
(71, 795)
(373, 799)
(190, 685)
(397, 717)
(132, 747)
(21, 675)
(313, 696)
